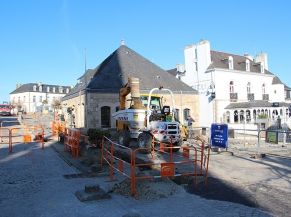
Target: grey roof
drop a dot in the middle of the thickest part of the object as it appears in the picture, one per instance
(276, 80)
(123, 63)
(80, 87)
(219, 60)
(254, 104)
(29, 88)
(173, 71)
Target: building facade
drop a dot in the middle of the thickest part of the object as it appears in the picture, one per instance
(95, 97)
(33, 97)
(234, 89)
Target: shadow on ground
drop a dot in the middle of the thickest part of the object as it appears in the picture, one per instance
(219, 190)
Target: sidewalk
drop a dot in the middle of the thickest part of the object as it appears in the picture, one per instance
(33, 183)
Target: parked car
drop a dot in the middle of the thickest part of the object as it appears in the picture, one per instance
(5, 110)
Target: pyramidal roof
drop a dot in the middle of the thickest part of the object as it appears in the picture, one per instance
(123, 63)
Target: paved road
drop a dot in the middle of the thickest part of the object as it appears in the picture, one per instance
(32, 183)
(9, 121)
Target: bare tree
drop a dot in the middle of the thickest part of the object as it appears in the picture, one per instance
(56, 104)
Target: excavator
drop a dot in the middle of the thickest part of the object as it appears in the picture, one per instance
(146, 119)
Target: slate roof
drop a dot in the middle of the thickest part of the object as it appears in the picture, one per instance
(254, 104)
(173, 71)
(219, 60)
(80, 87)
(29, 88)
(123, 63)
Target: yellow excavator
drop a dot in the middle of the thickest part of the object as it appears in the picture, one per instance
(146, 118)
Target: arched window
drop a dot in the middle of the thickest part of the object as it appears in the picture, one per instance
(231, 87)
(33, 98)
(241, 116)
(105, 117)
(227, 117)
(255, 114)
(186, 113)
(248, 116)
(235, 116)
(264, 88)
(249, 87)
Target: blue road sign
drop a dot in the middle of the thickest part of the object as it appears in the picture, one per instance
(219, 135)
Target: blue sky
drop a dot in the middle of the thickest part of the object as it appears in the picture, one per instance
(44, 40)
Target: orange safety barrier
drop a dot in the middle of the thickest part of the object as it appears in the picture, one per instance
(14, 135)
(58, 127)
(192, 160)
(72, 141)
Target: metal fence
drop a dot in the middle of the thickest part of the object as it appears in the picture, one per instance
(250, 140)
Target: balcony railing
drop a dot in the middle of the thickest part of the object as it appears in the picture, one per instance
(265, 96)
(233, 97)
(251, 96)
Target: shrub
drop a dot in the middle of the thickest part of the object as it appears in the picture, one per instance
(96, 135)
(262, 116)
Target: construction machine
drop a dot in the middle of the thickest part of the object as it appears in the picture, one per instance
(147, 119)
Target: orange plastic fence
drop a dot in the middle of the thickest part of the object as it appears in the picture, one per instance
(196, 160)
(58, 127)
(72, 141)
(26, 133)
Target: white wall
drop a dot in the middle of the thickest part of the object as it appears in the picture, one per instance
(26, 99)
(212, 110)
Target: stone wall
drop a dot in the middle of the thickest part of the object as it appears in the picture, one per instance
(88, 112)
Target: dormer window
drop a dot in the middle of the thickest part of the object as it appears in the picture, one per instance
(54, 89)
(247, 65)
(34, 87)
(48, 89)
(230, 62)
(262, 68)
(67, 91)
(40, 88)
(60, 89)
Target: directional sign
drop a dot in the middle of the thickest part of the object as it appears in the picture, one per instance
(219, 135)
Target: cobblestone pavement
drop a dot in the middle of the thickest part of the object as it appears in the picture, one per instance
(32, 183)
(266, 181)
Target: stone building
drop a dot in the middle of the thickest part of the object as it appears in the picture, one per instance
(96, 95)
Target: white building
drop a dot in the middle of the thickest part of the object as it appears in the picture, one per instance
(233, 89)
(34, 97)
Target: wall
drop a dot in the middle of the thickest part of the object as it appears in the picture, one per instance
(26, 99)
(89, 116)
